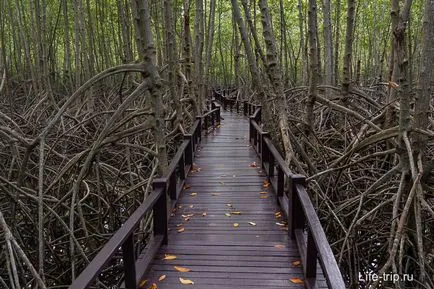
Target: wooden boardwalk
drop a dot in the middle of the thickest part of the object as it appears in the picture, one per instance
(226, 227)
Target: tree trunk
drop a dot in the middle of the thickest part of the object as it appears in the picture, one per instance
(313, 72)
(348, 48)
(276, 81)
(328, 44)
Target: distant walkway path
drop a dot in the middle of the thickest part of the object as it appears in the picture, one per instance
(227, 231)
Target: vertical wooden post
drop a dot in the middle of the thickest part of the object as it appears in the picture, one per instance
(264, 149)
(189, 149)
(181, 167)
(311, 256)
(245, 108)
(129, 257)
(280, 182)
(198, 133)
(172, 186)
(296, 214)
(218, 115)
(160, 210)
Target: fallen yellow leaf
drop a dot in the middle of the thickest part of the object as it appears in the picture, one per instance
(296, 280)
(143, 283)
(193, 194)
(181, 269)
(253, 165)
(181, 230)
(227, 214)
(203, 214)
(186, 187)
(153, 286)
(266, 184)
(215, 194)
(229, 205)
(296, 263)
(169, 257)
(263, 193)
(263, 197)
(236, 213)
(236, 225)
(280, 224)
(162, 277)
(253, 224)
(186, 281)
(279, 246)
(191, 206)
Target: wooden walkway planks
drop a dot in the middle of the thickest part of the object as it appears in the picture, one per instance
(219, 254)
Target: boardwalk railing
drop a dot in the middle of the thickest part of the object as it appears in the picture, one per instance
(135, 265)
(294, 200)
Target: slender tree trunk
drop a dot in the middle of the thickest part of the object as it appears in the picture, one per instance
(198, 51)
(328, 44)
(348, 47)
(171, 52)
(247, 46)
(313, 72)
(337, 41)
(276, 81)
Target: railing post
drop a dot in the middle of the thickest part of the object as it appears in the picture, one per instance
(172, 187)
(251, 130)
(265, 152)
(311, 256)
(218, 115)
(129, 257)
(238, 106)
(296, 214)
(160, 210)
(189, 149)
(280, 182)
(198, 133)
(259, 115)
(181, 167)
(245, 108)
(271, 165)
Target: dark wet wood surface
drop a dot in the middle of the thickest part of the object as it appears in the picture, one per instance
(226, 187)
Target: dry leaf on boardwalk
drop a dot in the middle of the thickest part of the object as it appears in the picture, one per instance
(169, 257)
(236, 213)
(203, 214)
(162, 277)
(153, 286)
(253, 165)
(185, 281)
(280, 246)
(236, 225)
(181, 269)
(266, 184)
(227, 214)
(253, 224)
(143, 283)
(181, 230)
(193, 194)
(186, 187)
(296, 263)
(296, 280)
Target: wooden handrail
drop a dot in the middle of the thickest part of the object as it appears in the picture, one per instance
(294, 200)
(170, 185)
